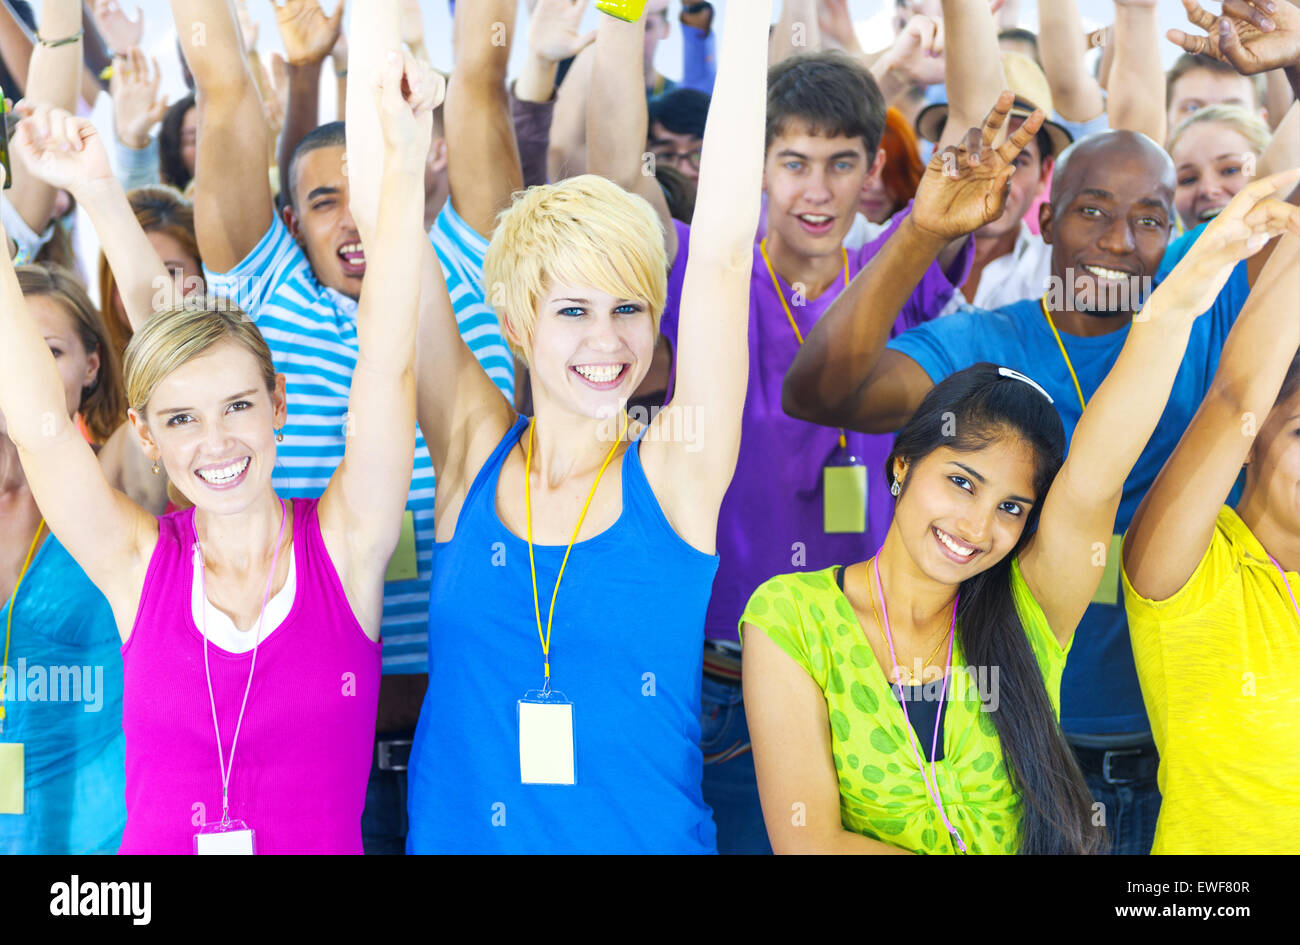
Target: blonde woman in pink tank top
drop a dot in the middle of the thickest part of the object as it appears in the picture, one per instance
(266, 749)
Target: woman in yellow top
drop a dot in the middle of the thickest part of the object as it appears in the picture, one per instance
(966, 582)
(1211, 593)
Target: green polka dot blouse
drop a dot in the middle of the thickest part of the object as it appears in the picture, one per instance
(882, 794)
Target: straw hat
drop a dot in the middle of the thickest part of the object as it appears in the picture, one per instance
(1026, 79)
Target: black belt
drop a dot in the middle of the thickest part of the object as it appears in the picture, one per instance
(1119, 765)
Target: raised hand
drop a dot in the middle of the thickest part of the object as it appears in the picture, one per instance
(308, 34)
(137, 106)
(918, 51)
(1253, 36)
(412, 25)
(836, 24)
(117, 29)
(59, 148)
(1253, 217)
(247, 26)
(553, 29)
(406, 91)
(966, 187)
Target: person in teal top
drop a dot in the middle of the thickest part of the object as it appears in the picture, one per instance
(61, 682)
(910, 704)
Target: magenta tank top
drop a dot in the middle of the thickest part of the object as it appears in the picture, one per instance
(303, 758)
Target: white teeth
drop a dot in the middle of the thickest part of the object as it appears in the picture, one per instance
(225, 474)
(350, 248)
(1210, 214)
(815, 219)
(600, 375)
(953, 546)
(1113, 275)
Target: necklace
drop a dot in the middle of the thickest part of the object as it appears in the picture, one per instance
(912, 678)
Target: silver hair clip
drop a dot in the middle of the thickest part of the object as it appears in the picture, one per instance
(1007, 372)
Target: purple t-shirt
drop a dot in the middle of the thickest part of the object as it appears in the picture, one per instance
(771, 521)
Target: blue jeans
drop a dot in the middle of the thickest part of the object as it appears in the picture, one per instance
(729, 784)
(1131, 812)
(383, 822)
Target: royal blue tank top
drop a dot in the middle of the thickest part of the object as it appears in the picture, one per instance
(627, 651)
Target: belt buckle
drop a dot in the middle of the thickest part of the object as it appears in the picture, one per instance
(1116, 753)
(384, 752)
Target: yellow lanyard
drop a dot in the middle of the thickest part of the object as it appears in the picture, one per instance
(1060, 344)
(9, 622)
(762, 248)
(532, 565)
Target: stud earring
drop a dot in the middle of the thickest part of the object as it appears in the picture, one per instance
(895, 489)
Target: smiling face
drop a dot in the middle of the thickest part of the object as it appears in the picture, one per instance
(681, 151)
(321, 222)
(963, 511)
(1210, 160)
(1109, 220)
(211, 424)
(814, 185)
(590, 350)
(78, 369)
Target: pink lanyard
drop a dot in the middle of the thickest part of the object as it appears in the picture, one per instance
(911, 737)
(1287, 583)
(203, 583)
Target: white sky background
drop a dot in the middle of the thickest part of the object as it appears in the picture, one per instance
(871, 16)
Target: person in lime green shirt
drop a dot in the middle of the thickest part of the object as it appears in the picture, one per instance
(909, 703)
(1211, 593)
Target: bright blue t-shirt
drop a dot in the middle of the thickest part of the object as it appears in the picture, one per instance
(1099, 692)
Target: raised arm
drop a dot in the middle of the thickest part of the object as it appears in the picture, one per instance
(844, 375)
(617, 119)
(361, 509)
(566, 151)
(232, 192)
(483, 168)
(972, 66)
(1075, 93)
(53, 79)
(309, 36)
(1175, 522)
(65, 151)
(1137, 99)
(915, 59)
(713, 346)
(797, 31)
(1063, 562)
(110, 536)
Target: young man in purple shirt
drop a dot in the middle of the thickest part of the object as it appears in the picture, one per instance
(802, 497)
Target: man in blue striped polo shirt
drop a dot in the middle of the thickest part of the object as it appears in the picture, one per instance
(298, 276)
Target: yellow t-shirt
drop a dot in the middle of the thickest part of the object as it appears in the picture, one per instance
(1219, 664)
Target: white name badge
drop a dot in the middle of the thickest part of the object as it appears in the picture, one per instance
(12, 795)
(229, 839)
(545, 738)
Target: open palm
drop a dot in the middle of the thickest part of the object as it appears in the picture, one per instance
(308, 34)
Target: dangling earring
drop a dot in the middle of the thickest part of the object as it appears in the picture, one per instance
(155, 467)
(895, 489)
(279, 435)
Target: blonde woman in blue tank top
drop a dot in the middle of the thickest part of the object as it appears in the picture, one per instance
(583, 525)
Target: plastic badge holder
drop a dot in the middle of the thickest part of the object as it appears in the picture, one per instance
(546, 738)
(231, 838)
(629, 10)
(12, 795)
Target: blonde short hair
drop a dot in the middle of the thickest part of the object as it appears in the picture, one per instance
(172, 338)
(582, 231)
(1243, 121)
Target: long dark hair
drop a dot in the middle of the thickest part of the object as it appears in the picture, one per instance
(966, 412)
(171, 166)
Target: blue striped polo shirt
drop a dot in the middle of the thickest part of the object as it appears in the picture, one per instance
(312, 332)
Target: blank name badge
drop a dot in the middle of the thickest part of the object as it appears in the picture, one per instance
(545, 738)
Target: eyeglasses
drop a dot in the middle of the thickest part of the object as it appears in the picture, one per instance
(675, 158)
